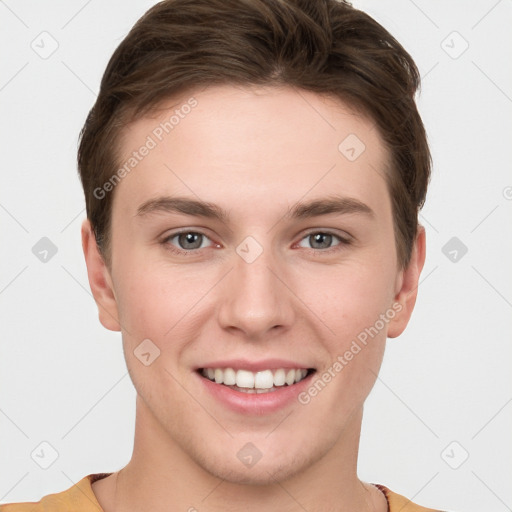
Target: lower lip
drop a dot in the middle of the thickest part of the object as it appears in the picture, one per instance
(255, 403)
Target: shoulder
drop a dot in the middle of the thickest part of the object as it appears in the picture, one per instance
(78, 498)
(397, 503)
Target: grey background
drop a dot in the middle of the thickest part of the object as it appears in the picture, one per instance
(444, 392)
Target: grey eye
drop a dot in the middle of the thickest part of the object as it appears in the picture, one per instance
(320, 240)
(190, 240)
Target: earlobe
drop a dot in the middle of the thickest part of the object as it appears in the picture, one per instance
(407, 286)
(99, 280)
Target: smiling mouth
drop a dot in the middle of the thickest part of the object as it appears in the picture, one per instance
(266, 381)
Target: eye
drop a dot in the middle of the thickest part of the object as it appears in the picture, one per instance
(186, 241)
(323, 240)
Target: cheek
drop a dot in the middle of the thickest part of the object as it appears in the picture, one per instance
(156, 300)
(355, 304)
(141, 302)
(360, 320)
(350, 299)
(351, 306)
(153, 305)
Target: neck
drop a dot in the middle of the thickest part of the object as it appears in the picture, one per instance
(161, 473)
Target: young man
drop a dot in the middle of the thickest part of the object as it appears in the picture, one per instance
(253, 172)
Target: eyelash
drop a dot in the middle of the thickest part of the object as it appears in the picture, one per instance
(165, 242)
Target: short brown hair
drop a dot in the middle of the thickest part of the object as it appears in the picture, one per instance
(323, 46)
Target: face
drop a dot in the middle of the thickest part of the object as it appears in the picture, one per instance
(253, 245)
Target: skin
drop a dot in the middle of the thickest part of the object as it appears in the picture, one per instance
(255, 152)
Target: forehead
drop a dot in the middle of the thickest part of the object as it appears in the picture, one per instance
(250, 146)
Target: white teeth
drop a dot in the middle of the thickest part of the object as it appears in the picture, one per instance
(261, 382)
(229, 377)
(300, 374)
(264, 380)
(244, 379)
(279, 377)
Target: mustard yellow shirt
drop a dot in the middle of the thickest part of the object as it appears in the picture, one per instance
(81, 498)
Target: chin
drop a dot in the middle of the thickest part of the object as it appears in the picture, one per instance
(268, 470)
(260, 475)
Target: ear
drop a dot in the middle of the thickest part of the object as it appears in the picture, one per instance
(100, 280)
(407, 284)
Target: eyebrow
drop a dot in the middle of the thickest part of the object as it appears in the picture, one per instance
(325, 206)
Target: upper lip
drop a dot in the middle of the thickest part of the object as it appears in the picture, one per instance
(255, 366)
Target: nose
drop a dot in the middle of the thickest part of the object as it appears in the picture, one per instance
(255, 301)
